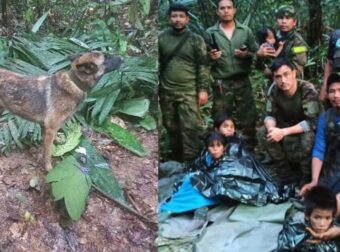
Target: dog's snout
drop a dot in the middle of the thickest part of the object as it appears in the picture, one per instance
(112, 63)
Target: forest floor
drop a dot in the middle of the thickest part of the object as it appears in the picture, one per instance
(104, 226)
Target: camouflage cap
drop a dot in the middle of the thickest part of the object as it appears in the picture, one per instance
(286, 10)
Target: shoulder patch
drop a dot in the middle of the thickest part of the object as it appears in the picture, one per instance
(299, 49)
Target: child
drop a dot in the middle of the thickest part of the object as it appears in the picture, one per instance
(187, 197)
(239, 176)
(320, 208)
(266, 36)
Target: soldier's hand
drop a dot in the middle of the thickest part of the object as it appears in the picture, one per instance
(214, 54)
(307, 187)
(275, 134)
(202, 98)
(241, 54)
(333, 232)
(265, 51)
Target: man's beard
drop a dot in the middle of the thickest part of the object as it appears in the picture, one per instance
(178, 30)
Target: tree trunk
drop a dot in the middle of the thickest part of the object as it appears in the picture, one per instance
(4, 12)
(315, 22)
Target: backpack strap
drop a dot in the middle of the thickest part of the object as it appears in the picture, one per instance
(170, 56)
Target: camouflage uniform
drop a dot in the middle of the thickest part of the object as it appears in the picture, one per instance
(232, 90)
(292, 155)
(180, 81)
(295, 48)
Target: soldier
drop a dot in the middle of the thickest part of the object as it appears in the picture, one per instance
(184, 80)
(232, 56)
(294, 48)
(288, 133)
(333, 61)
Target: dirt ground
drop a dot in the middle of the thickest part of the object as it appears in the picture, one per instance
(103, 227)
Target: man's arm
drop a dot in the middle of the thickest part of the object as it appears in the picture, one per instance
(298, 52)
(327, 71)
(203, 71)
(328, 67)
(316, 170)
(277, 134)
(318, 154)
(332, 233)
(252, 47)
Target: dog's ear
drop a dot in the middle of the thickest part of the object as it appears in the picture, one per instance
(88, 68)
(75, 56)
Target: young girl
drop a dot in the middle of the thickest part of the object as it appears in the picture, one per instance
(187, 197)
(266, 36)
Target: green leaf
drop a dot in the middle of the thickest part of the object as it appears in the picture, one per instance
(71, 184)
(40, 21)
(100, 172)
(148, 123)
(72, 140)
(123, 137)
(134, 107)
(146, 4)
(109, 101)
(15, 133)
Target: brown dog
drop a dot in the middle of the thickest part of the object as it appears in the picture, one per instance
(50, 100)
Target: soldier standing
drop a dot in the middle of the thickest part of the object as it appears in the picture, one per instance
(232, 56)
(295, 48)
(184, 80)
(288, 134)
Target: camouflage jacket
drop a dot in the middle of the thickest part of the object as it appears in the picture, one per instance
(229, 65)
(188, 71)
(295, 49)
(289, 111)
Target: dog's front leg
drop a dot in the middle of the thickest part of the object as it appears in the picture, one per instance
(49, 135)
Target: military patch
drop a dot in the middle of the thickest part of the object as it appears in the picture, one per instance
(299, 49)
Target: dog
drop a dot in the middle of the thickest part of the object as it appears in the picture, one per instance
(50, 100)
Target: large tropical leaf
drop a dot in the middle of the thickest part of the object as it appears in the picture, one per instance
(71, 184)
(100, 172)
(122, 137)
(72, 140)
(39, 22)
(135, 107)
